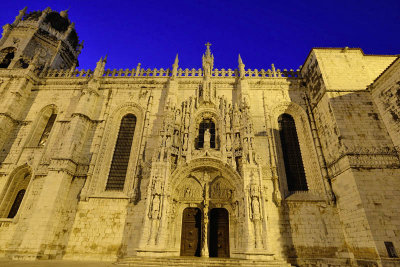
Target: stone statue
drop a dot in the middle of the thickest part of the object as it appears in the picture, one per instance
(178, 117)
(187, 120)
(185, 142)
(155, 211)
(228, 142)
(255, 206)
(176, 138)
(207, 139)
(228, 120)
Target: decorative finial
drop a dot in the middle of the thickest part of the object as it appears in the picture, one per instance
(208, 52)
(240, 60)
(64, 13)
(105, 58)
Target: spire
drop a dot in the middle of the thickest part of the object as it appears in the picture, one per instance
(20, 15)
(241, 67)
(240, 60)
(176, 59)
(208, 52)
(175, 67)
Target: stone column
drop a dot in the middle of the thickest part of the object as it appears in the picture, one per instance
(43, 224)
(204, 230)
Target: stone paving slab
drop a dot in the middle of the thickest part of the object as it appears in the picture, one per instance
(54, 263)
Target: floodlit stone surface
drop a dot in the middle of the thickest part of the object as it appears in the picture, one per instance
(204, 141)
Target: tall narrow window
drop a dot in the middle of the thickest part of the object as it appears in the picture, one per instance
(204, 125)
(296, 179)
(16, 204)
(47, 129)
(119, 164)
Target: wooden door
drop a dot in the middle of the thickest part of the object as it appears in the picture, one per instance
(219, 233)
(191, 232)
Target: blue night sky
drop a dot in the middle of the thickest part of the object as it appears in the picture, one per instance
(263, 32)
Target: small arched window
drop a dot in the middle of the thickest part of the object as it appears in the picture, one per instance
(120, 160)
(17, 203)
(15, 187)
(6, 56)
(295, 175)
(204, 125)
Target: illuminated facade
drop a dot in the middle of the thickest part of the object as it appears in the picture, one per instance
(278, 166)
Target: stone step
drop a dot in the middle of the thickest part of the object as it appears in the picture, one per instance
(197, 261)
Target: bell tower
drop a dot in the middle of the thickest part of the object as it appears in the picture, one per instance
(48, 36)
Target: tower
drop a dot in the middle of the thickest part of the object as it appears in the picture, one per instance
(48, 34)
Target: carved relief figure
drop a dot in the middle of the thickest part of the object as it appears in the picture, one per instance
(220, 189)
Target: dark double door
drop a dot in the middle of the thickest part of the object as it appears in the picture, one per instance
(218, 244)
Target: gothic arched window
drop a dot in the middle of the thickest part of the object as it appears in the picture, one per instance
(204, 125)
(15, 188)
(6, 56)
(47, 129)
(296, 178)
(17, 203)
(120, 160)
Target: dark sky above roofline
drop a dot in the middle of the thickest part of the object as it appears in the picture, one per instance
(263, 32)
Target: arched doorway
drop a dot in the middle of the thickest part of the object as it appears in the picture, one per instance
(219, 233)
(191, 232)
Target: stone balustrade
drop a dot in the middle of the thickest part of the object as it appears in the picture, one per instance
(141, 72)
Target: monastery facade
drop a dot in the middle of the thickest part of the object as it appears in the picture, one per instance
(282, 166)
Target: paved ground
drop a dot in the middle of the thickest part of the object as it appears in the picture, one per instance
(55, 263)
